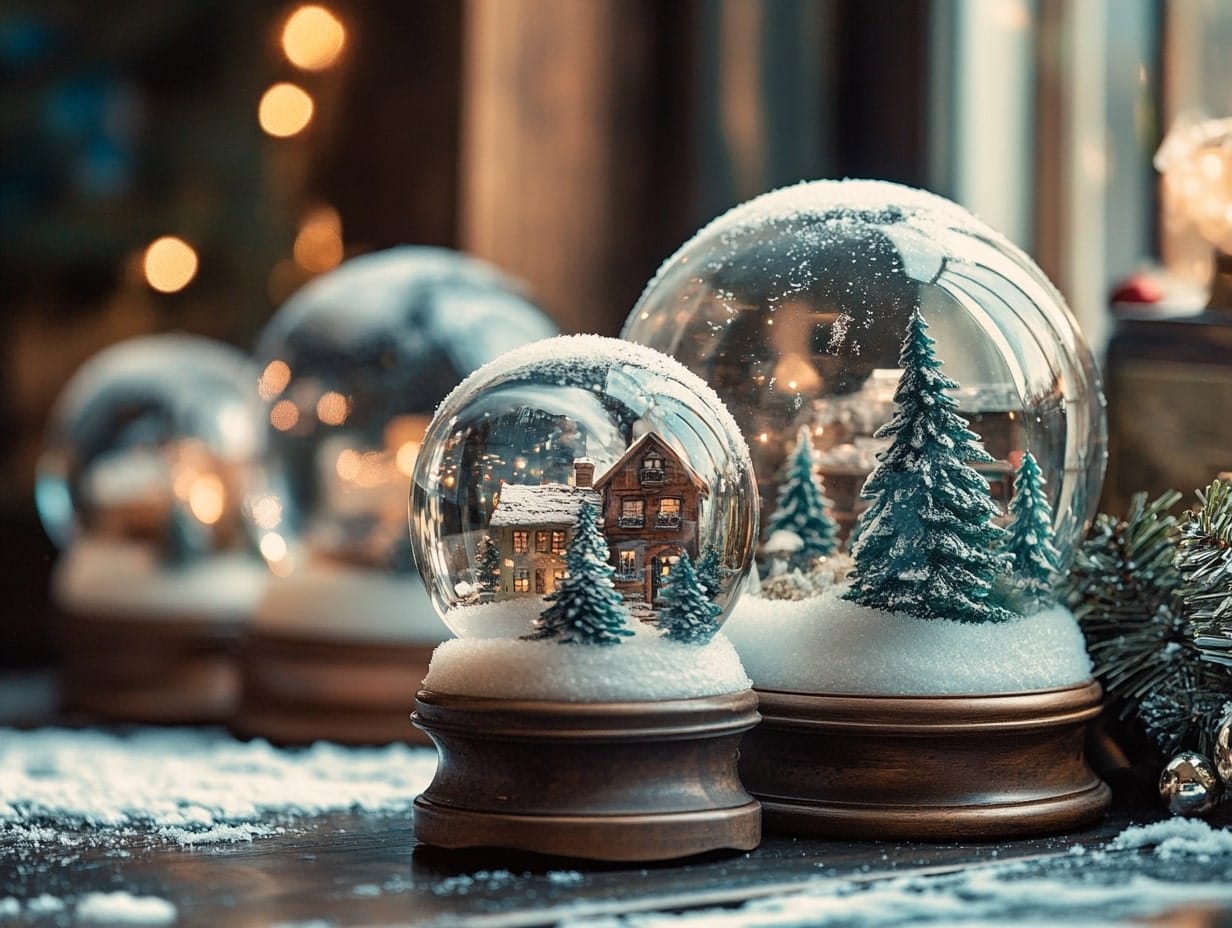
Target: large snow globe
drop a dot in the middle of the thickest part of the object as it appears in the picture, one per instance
(350, 369)
(927, 426)
(148, 453)
(583, 513)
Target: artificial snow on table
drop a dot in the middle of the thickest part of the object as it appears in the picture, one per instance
(826, 644)
(644, 667)
(188, 786)
(127, 579)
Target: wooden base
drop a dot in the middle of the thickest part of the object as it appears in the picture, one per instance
(925, 768)
(174, 670)
(605, 781)
(297, 690)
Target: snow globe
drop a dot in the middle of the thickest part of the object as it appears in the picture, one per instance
(583, 513)
(148, 452)
(350, 369)
(927, 426)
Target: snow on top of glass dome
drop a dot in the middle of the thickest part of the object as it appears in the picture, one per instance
(575, 360)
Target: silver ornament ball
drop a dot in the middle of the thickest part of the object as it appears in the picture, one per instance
(1223, 751)
(1189, 786)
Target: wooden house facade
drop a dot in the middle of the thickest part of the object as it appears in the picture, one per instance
(650, 507)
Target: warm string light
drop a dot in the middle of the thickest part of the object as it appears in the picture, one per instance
(170, 264)
(318, 244)
(313, 38)
(285, 110)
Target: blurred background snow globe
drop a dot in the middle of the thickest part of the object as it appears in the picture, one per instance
(148, 454)
(605, 480)
(351, 368)
(796, 308)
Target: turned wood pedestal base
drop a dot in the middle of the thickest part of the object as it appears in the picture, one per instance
(938, 768)
(605, 781)
(297, 690)
(173, 670)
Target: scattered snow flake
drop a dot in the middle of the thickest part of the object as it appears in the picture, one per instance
(122, 908)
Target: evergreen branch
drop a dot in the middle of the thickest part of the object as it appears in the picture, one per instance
(1204, 559)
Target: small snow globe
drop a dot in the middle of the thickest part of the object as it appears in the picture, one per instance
(927, 426)
(583, 513)
(350, 369)
(148, 453)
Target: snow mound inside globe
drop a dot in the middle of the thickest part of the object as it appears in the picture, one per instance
(642, 668)
(516, 453)
(829, 645)
(793, 307)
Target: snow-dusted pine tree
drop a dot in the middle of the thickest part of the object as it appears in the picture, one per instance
(927, 545)
(488, 565)
(802, 506)
(687, 614)
(710, 570)
(1030, 543)
(585, 608)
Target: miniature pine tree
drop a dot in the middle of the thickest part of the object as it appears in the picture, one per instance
(488, 565)
(1036, 561)
(802, 506)
(687, 615)
(927, 545)
(710, 571)
(585, 608)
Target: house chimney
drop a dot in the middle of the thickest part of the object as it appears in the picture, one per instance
(583, 472)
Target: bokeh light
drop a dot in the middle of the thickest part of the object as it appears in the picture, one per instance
(313, 38)
(170, 264)
(318, 244)
(285, 110)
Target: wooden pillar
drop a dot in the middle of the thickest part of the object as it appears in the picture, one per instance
(559, 150)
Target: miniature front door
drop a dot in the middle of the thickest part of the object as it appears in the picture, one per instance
(660, 569)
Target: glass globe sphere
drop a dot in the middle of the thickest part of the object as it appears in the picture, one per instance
(516, 452)
(352, 367)
(153, 440)
(794, 307)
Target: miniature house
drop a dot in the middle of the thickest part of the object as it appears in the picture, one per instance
(533, 525)
(650, 503)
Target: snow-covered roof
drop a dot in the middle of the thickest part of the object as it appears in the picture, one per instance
(541, 504)
(783, 541)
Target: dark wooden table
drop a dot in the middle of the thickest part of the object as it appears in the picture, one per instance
(351, 869)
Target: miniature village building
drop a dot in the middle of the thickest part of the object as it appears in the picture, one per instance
(533, 525)
(650, 506)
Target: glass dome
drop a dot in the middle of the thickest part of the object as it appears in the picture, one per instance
(153, 440)
(351, 368)
(524, 444)
(794, 307)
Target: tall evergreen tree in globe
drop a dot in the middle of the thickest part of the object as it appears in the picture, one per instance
(488, 565)
(586, 608)
(687, 615)
(802, 506)
(1036, 560)
(927, 545)
(710, 570)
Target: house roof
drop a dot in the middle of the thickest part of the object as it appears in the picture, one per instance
(541, 504)
(643, 445)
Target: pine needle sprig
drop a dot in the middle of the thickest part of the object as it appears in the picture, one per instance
(1204, 559)
(1122, 589)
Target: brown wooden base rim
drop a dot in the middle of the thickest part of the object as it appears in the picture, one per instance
(932, 715)
(615, 781)
(873, 822)
(925, 767)
(301, 689)
(180, 669)
(617, 838)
